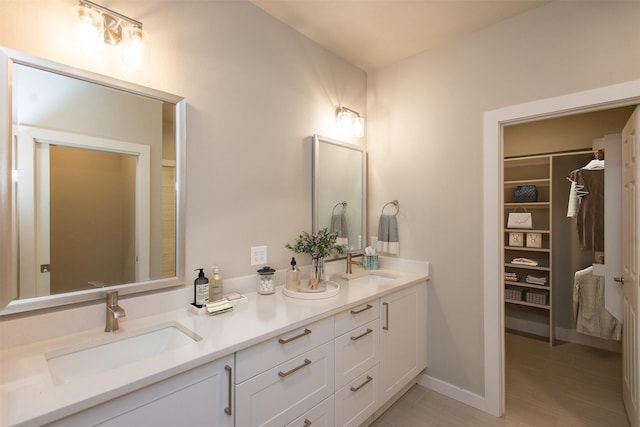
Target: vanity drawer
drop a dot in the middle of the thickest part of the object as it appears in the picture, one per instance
(356, 401)
(356, 316)
(281, 394)
(321, 415)
(267, 354)
(356, 351)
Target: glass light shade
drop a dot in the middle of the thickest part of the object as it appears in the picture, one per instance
(343, 118)
(89, 28)
(133, 49)
(358, 126)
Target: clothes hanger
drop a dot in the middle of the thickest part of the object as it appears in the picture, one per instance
(596, 163)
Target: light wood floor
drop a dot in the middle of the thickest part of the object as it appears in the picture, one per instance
(567, 385)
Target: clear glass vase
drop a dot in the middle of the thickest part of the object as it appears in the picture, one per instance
(317, 273)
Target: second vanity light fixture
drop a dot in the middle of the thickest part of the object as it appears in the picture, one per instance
(99, 23)
(350, 119)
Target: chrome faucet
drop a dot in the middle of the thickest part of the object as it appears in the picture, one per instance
(114, 312)
(351, 262)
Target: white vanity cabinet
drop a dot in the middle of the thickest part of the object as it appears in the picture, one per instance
(199, 397)
(403, 339)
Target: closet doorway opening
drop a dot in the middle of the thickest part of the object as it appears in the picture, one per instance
(609, 97)
(555, 374)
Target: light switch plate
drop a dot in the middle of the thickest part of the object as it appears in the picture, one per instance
(258, 255)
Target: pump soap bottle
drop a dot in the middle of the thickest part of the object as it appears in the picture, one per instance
(293, 277)
(200, 289)
(215, 289)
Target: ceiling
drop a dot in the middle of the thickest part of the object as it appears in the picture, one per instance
(375, 33)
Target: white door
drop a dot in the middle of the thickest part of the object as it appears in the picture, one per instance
(631, 257)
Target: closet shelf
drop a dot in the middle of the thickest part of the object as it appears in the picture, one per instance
(526, 230)
(527, 267)
(527, 182)
(527, 285)
(528, 304)
(527, 205)
(526, 249)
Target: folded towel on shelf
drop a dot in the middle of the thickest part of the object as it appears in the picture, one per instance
(524, 261)
(339, 224)
(511, 277)
(534, 280)
(388, 235)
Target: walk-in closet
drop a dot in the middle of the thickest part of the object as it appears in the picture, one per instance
(558, 361)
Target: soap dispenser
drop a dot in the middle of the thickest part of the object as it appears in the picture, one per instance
(200, 289)
(215, 288)
(293, 277)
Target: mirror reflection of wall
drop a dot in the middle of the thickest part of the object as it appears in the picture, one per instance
(339, 189)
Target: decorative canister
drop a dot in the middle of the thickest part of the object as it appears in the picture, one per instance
(371, 262)
(266, 281)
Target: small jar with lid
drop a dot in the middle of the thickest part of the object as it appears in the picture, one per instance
(266, 281)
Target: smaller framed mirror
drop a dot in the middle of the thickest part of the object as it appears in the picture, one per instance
(339, 190)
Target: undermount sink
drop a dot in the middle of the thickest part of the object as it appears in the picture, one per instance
(372, 279)
(115, 351)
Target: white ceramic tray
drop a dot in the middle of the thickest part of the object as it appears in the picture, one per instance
(332, 290)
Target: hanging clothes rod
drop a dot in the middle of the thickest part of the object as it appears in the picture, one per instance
(395, 204)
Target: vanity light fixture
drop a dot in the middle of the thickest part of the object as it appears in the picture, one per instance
(350, 119)
(112, 28)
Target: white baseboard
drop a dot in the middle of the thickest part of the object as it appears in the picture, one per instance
(452, 391)
(562, 334)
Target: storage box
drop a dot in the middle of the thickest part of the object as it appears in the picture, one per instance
(534, 296)
(534, 240)
(516, 239)
(513, 293)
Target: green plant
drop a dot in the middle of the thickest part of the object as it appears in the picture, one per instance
(318, 244)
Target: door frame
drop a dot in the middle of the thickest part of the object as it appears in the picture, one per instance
(34, 224)
(607, 97)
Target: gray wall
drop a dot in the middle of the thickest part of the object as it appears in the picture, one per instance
(425, 146)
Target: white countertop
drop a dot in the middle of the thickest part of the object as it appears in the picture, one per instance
(29, 395)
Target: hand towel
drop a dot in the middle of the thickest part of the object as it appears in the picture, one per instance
(388, 235)
(339, 224)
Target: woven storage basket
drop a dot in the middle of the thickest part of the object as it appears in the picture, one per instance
(513, 293)
(536, 297)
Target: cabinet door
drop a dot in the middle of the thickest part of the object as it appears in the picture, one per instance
(403, 339)
(199, 397)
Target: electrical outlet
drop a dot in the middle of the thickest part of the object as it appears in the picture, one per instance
(258, 255)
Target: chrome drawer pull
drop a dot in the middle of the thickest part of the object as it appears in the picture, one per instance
(386, 316)
(362, 335)
(306, 332)
(368, 307)
(227, 368)
(284, 374)
(367, 381)
(307, 423)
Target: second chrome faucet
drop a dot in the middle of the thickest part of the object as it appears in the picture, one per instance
(114, 312)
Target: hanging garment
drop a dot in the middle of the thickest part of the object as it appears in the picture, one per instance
(589, 190)
(591, 317)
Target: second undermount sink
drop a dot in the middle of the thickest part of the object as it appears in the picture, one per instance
(372, 279)
(115, 351)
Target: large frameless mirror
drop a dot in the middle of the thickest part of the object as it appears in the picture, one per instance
(339, 190)
(96, 186)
